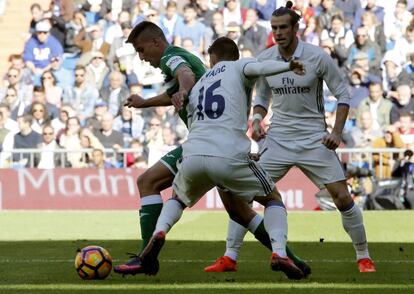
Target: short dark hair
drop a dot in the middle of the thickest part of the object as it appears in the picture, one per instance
(146, 27)
(225, 49)
(287, 9)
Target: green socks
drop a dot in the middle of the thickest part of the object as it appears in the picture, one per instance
(148, 216)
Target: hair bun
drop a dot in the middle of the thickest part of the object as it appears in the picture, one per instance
(289, 4)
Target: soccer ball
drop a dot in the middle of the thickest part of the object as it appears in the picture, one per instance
(93, 262)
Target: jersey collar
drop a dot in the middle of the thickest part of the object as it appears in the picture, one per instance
(296, 54)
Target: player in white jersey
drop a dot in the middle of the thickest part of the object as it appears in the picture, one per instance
(297, 135)
(219, 103)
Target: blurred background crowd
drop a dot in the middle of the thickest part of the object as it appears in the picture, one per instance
(65, 89)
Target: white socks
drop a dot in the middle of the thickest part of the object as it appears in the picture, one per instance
(235, 236)
(170, 214)
(275, 222)
(354, 225)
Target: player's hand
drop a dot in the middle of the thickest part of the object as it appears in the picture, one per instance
(331, 141)
(297, 67)
(258, 132)
(135, 101)
(178, 99)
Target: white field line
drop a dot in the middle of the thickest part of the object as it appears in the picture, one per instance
(210, 286)
(40, 260)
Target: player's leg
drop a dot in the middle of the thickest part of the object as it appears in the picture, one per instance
(246, 179)
(353, 223)
(150, 184)
(323, 167)
(242, 219)
(190, 184)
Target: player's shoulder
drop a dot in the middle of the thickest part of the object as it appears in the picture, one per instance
(268, 53)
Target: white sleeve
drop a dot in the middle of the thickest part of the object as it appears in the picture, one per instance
(329, 71)
(263, 93)
(265, 68)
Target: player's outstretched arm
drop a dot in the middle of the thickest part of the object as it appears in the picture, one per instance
(272, 67)
(137, 101)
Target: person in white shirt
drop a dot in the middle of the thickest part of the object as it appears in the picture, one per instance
(216, 152)
(297, 135)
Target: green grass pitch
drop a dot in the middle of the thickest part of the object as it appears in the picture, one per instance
(37, 251)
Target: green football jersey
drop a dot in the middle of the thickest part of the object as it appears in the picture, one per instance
(171, 60)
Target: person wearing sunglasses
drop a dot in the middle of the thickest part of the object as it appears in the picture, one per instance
(40, 48)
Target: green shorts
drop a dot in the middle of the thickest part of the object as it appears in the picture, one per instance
(171, 158)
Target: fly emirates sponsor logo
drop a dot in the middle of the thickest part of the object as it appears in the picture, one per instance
(288, 87)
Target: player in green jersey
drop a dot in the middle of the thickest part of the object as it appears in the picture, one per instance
(182, 70)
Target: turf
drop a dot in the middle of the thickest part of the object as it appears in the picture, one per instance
(37, 252)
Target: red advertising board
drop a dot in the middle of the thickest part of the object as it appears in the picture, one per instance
(91, 189)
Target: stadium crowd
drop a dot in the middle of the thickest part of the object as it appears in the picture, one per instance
(65, 89)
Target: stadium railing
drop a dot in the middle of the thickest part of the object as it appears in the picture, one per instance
(361, 157)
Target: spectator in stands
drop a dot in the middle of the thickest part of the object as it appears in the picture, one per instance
(25, 75)
(204, 12)
(39, 95)
(170, 20)
(73, 28)
(255, 36)
(405, 44)
(402, 104)
(94, 122)
(83, 96)
(215, 30)
(377, 105)
(340, 35)
(190, 28)
(16, 105)
(138, 13)
(349, 9)
(116, 93)
(110, 138)
(6, 121)
(70, 140)
(303, 8)
(122, 53)
(40, 48)
(264, 9)
(233, 12)
(374, 29)
(328, 11)
(114, 30)
(14, 79)
(47, 158)
(89, 141)
(53, 92)
(98, 160)
(153, 133)
(3, 132)
(406, 75)
(133, 158)
(337, 52)
(130, 124)
(63, 9)
(90, 40)
(234, 33)
(391, 69)
(64, 77)
(405, 128)
(372, 7)
(26, 138)
(310, 34)
(37, 15)
(59, 123)
(116, 7)
(363, 135)
(384, 162)
(396, 23)
(57, 26)
(40, 116)
(97, 70)
(364, 44)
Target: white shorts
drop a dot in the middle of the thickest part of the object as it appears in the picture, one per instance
(198, 174)
(321, 165)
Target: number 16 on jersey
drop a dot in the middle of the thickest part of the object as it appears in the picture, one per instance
(210, 104)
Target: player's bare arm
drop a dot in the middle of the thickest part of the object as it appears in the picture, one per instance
(332, 140)
(137, 101)
(186, 80)
(258, 131)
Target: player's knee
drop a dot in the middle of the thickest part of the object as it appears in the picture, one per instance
(342, 200)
